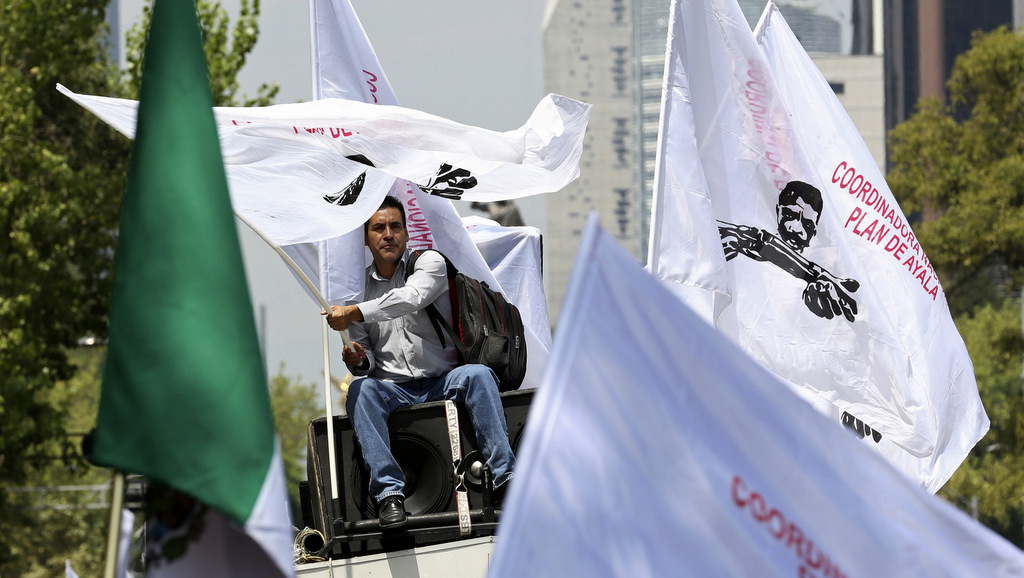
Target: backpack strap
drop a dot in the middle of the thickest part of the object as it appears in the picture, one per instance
(441, 325)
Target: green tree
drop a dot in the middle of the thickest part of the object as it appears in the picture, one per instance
(990, 483)
(294, 405)
(42, 539)
(226, 52)
(61, 175)
(959, 169)
(61, 179)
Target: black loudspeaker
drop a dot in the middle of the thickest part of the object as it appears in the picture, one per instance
(419, 442)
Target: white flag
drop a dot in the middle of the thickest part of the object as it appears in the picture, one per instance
(346, 66)
(885, 244)
(344, 63)
(811, 287)
(124, 544)
(656, 447)
(309, 171)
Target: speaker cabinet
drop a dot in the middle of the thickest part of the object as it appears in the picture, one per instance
(419, 442)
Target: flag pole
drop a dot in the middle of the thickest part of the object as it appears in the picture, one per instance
(328, 398)
(114, 535)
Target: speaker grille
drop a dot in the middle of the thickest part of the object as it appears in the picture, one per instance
(428, 476)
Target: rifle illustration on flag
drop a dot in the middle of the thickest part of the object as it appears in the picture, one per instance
(798, 212)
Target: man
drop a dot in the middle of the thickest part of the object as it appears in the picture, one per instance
(797, 215)
(396, 348)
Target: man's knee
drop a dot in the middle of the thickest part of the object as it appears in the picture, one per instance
(362, 392)
(352, 395)
(479, 374)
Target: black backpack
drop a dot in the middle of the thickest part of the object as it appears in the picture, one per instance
(487, 328)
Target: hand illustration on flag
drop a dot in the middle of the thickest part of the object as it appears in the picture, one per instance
(850, 314)
(184, 398)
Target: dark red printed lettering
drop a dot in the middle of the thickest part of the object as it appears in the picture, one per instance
(340, 132)
(373, 87)
(759, 100)
(420, 237)
(876, 230)
(810, 557)
(737, 482)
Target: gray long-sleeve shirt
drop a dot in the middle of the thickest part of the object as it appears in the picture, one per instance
(400, 341)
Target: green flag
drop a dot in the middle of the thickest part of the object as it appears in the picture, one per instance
(185, 399)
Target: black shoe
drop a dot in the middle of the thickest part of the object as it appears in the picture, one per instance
(391, 512)
(498, 495)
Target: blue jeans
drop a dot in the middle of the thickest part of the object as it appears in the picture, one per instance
(371, 401)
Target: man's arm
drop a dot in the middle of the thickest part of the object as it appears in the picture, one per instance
(341, 316)
(426, 283)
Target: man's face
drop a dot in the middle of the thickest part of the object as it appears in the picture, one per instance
(797, 223)
(386, 236)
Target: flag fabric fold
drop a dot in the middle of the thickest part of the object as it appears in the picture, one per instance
(774, 223)
(514, 255)
(443, 157)
(700, 462)
(184, 396)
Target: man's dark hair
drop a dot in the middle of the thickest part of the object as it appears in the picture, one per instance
(389, 202)
(800, 190)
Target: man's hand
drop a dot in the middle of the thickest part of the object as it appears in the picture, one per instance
(354, 356)
(341, 316)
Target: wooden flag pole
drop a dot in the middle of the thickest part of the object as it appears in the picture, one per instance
(114, 534)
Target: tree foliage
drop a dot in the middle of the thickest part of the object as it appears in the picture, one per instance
(960, 170)
(41, 540)
(226, 52)
(62, 175)
(990, 483)
(294, 405)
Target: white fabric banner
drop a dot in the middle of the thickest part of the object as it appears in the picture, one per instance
(346, 66)
(514, 255)
(442, 157)
(344, 63)
(699, 462)
(805, 280)
(899, 271)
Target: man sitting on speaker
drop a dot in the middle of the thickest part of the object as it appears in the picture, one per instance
(397, 350)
